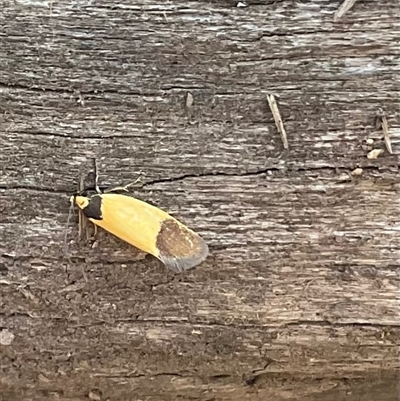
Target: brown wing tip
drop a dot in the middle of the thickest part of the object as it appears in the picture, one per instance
(179, 264)
(180, 248)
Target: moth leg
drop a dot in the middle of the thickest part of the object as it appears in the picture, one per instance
(82, 221)
(87, 231)
(84, 226)
(80, 224)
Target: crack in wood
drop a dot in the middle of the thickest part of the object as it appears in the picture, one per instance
(208, 175)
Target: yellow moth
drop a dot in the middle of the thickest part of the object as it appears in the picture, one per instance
(146, 227)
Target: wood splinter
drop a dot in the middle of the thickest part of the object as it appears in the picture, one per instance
(382, 121)
(343, 9)
(278, 119)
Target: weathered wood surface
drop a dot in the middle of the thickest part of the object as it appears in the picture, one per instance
(299, 297)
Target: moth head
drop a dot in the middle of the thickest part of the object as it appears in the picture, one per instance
(80, 201)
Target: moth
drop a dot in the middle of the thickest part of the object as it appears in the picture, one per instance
(144, 226)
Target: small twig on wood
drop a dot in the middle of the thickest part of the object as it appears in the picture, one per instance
(385, 128)
(345, 6)
(278, 119)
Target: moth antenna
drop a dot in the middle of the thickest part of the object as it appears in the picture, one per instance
(71, 212)
(96, 176)
(66, 254)
(125, 187)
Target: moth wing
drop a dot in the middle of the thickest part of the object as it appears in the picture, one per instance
(152, 230)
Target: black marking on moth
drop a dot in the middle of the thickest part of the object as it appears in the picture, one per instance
(93, 209)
